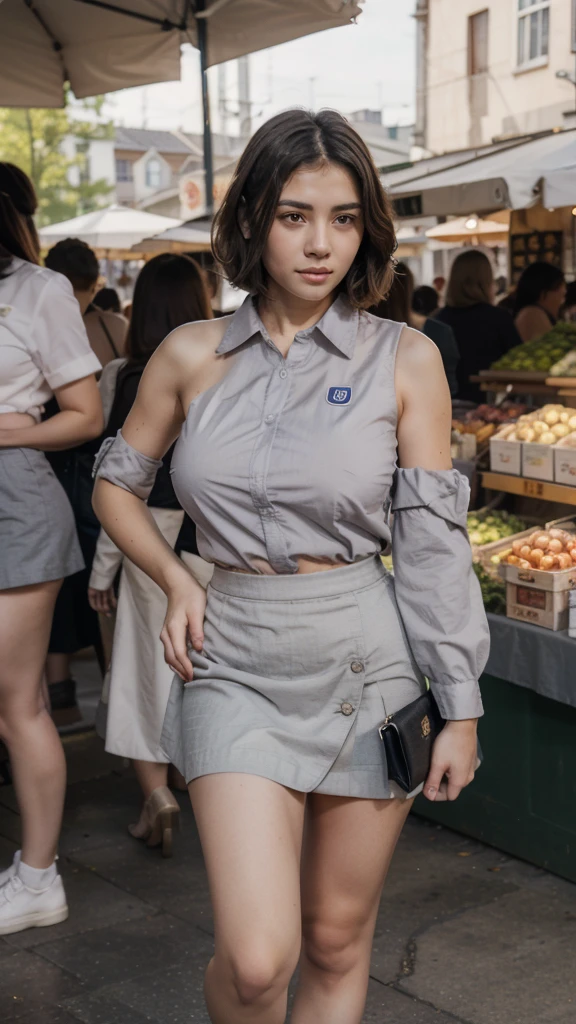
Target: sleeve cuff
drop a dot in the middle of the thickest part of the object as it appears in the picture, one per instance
(458, 700)
(73, 371)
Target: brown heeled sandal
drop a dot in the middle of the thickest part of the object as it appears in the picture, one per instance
(159, 819)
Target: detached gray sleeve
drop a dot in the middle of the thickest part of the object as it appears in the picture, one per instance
(438, 595)
(122, 465)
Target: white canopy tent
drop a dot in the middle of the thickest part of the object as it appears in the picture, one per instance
(191, 236)
(110, 231)
(521, 175)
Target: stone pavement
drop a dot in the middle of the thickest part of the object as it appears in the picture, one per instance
(464, 933)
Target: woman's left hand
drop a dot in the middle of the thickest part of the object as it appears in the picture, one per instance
(454, 761)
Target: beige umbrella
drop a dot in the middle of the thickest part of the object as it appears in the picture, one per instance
(191, 236)
(472, 229)
(102, 45)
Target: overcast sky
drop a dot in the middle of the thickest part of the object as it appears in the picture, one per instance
(370, 64)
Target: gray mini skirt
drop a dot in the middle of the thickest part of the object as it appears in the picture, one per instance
(296, 674)
(38, 540)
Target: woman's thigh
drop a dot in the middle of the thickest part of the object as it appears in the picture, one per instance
(25, 621)
(348, 846)
(251, 834)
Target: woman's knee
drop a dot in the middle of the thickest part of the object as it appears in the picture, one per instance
(335, 946)
(260, 974)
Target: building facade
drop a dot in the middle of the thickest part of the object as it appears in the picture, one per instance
(488, 70)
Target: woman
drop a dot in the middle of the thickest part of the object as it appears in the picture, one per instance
(540, 294)
(398, 305)
(290, 415)
(483, 332)
(170, 291)
(44, 351)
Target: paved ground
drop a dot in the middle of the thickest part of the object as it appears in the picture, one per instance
(464, 934)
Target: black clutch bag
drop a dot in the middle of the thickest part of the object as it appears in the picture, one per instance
(408, 737)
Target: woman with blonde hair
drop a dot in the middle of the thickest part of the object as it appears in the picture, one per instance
(483, 331)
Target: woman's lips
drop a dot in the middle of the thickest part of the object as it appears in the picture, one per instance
(315, 276)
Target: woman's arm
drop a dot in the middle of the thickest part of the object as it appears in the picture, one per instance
(432, 564)
(531, 322)
(152, 425)
(80, 419)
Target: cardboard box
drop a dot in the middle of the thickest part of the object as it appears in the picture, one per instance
(565, 465)
(563, 580)
(506, 457)
(538, 461)
(546, 608)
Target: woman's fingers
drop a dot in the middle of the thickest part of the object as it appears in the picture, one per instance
(169, 655)
(196, 629)
(433, 785)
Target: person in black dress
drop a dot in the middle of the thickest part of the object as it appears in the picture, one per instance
(483, 332)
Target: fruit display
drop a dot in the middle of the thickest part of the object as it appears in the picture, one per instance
(493, 591)
(487, 527)
(566, 367)
(549, 550)
(547, 425)
(542, 353)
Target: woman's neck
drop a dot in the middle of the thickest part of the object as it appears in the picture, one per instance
(284, 315)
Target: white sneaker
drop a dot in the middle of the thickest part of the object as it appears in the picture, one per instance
(21, 907)
(11, 871)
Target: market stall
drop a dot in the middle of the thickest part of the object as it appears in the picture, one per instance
(523, 798)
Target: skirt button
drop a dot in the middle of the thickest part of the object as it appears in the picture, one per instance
(357, 666)
(346, 708)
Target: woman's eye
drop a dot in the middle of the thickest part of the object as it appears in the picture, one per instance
(344, 218)
(293, 218)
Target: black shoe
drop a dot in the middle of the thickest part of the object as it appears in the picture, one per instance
(64, 708)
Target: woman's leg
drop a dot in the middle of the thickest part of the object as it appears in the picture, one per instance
(36, 755)
(348, 847)
(251, 833)
(151, 775)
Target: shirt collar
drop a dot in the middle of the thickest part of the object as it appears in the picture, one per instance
(339, 325)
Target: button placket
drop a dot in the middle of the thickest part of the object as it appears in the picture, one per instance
(275, 398)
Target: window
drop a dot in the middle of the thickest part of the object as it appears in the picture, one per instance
(533, 31)
(123, 170)
(478, 43)
(153, 173)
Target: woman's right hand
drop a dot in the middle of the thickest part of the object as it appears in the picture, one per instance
(184, 620)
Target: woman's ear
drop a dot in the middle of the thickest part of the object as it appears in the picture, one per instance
(243, 219)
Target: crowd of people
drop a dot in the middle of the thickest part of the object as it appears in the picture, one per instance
(74, 371)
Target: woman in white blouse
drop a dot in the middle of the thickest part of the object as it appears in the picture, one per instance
(44, 351)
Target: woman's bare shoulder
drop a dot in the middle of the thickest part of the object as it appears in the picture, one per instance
(417, 353)
(190, 345)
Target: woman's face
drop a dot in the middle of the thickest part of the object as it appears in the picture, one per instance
(553, 300)
(316, 232)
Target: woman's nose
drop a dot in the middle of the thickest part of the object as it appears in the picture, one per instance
(317, 243)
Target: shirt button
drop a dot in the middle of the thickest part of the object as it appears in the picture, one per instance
(357, 666)
(283, 373)
(346, 708)
(269, 418)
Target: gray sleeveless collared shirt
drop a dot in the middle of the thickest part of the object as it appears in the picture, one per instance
(296, 456)
(289, 457)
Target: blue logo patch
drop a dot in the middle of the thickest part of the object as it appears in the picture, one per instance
(339, 396)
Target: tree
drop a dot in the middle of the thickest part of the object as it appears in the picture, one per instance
(34, 141)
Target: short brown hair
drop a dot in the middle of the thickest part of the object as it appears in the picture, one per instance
(470, 279)
(286, 142)
(75, 260)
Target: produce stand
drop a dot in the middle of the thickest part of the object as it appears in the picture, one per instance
(517, 382)
(523, 798)
(529, 488)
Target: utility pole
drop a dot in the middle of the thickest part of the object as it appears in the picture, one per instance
(244, 102)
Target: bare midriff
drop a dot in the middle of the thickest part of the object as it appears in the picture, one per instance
(13, 420)
(305, 565)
